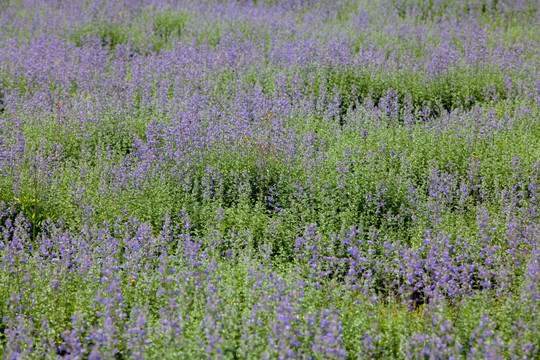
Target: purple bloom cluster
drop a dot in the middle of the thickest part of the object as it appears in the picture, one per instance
(305, 179)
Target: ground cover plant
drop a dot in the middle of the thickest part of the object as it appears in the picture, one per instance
(251, 179)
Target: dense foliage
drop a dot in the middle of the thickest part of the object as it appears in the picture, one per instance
(307, 179)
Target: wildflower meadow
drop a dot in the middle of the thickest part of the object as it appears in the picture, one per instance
(264, 179)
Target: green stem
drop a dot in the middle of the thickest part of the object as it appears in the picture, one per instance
(34, 216)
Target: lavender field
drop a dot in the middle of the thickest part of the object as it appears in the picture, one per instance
(264, 179)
